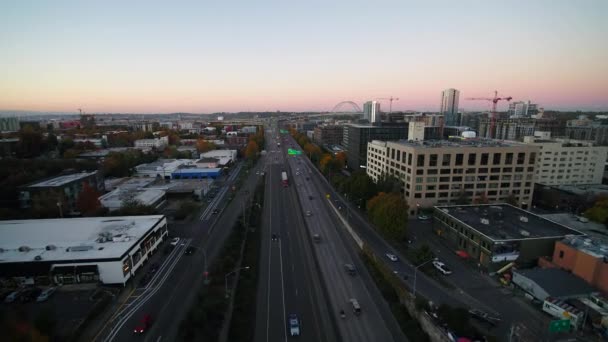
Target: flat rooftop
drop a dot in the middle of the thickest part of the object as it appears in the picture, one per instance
(504, 222)
(61, 180)
(472, 142)
(72, 238)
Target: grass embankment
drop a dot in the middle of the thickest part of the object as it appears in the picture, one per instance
(409, 325)
(208, 312)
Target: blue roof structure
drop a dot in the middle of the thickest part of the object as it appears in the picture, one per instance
(196, 173)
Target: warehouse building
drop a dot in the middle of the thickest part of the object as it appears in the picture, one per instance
(107, 250)
(495, 235)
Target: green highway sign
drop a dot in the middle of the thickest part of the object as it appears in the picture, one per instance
(561, 325)
(293, 152)
(283, 131)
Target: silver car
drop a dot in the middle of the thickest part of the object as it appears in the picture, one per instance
(46, 294)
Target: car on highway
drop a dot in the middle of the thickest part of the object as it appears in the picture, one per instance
(310, 198)
(275, 237)
(356, 306)
(294, 325)
(422, 217)
(143, 325)
(174, 241)
(307, 178)
(441, 267)
(350, 269)
(308, 213)
(154, 268)
(189, 250)
(316, 238)
(215, 211)
(484, 316)
(392, 257)
(46, 294)
(257, 172)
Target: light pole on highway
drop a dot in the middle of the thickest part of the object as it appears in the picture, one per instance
(416, 272)
(228, 274)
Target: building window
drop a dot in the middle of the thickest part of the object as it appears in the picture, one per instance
(444, 179)
(398, 155)
(446, 160)
(418, 188)
(496, 159)
(532, 158)
(472, 159)
(484, 158)
(419, 179)
(431, 179)
(459, 158)
(457, 179)
(433, 160)
(445, 171)
(420, 172)
(420, 160)
(561, 254)
(409, 159)
(431, 172)
(521, 158)
(509, 159)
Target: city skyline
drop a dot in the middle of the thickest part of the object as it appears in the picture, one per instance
(204, 58)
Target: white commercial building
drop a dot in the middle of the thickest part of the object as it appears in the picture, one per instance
(116, 198)
(149, 143)
(78, 250)
(225, 156)
(449, 106)
(163, 168)
(563, 161)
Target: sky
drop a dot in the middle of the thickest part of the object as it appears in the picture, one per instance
(212, 56)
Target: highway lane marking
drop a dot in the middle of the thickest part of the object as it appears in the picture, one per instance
(150, 292)
(269, 258)
(283, 290)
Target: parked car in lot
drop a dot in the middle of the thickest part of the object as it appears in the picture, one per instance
(392, 257)
(29, 295)
(441, 267)
(423, 217)
(46, 294)
(294, 325)
(174, 241)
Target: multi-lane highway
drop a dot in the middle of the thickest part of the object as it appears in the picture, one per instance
(169, 294)
(289, 281)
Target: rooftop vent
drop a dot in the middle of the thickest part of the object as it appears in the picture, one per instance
(485, 221)
(523, 219)
(79, 248)
(51, 247)
(524, 233)
(24, 249)
(37, 258)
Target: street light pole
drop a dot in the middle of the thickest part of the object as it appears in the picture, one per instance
(60, 210)
(228, 274)
(416, 273)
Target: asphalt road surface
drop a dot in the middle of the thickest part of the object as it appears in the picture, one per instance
(289, 279)
(169, 295)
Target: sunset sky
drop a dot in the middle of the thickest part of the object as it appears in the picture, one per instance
(209, 56)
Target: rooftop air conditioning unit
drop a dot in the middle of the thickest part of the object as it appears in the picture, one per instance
(485, 221)
(524, 233)
(51, 247)
(24, 249)
(523, 219)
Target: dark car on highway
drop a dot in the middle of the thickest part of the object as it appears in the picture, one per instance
(189, 250)
(143, 325)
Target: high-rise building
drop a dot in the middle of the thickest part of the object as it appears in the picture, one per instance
(9, 124)
(371, 111)
(448, 172)
(521, 109)
(356, 137)
(449, 106)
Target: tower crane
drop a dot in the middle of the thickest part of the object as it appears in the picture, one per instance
(390, 99)
(493, 114)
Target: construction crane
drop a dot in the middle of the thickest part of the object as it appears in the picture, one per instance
(390, 99)
(493, 114)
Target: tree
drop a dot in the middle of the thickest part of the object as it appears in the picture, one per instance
(203, 146)
(170, 152)
(251, 152)
(481, 198)
(51, 142)
(512, 200)
(388, 212)
(463, 198)
(88, 201)
(389, 183)
(65, 144)
(423, 254)
(44, 204)
(341, 159)
(324, 163)
(30, 142)
(599, 211)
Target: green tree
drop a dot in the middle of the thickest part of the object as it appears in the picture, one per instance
(203, 146)
(45, 205)
(423, 254)
(389, 183)
(389, 214)
(599, 211)
(512, 200)
(324, 163)
(51, 142)
(65, 144)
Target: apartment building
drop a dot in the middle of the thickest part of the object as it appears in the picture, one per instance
(563, 161)
(150, 143)
(451, 171)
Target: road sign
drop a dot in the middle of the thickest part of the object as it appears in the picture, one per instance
(293, 152)
(560, 325)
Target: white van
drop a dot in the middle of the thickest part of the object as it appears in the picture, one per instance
(356, 307)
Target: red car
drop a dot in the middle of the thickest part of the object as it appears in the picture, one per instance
(145, 323)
